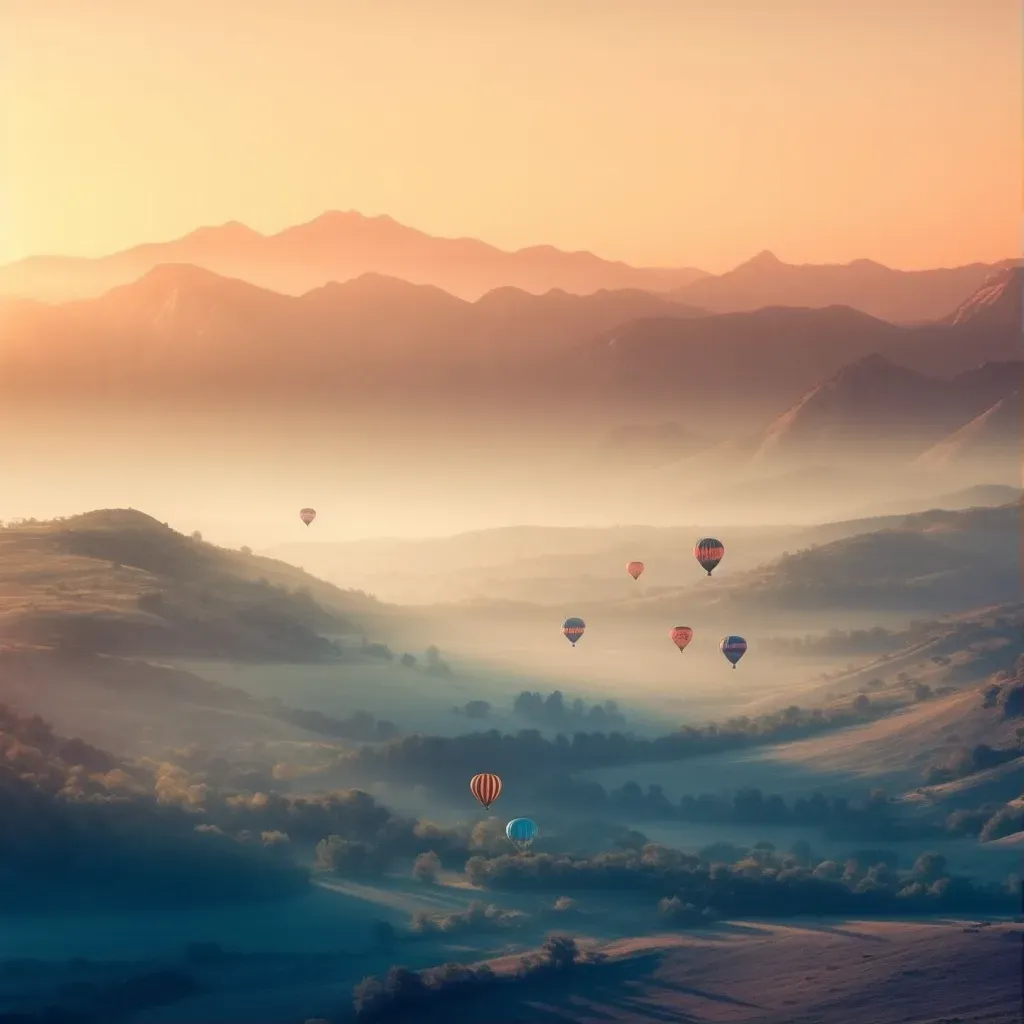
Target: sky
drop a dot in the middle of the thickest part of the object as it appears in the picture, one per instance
(659, 132)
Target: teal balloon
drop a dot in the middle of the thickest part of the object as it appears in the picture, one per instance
(521, 831)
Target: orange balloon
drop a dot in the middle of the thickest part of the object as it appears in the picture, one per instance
(635, 569)
(681, 636)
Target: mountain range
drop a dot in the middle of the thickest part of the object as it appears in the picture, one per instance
(899, 296)
(339, 246)
(617, 355)
(753, 366)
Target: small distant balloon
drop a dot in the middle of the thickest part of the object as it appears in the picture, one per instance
(709, 552)
(521, 832)
(733, 647)
(573, 629)
(635, 569)
(486, 788)
(307, 515)
(681, 636)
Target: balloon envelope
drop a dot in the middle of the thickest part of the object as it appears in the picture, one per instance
(521, 831)
(681, 636)
(733, 647)
(635, 569)
(486, 788)
(709, 552)
(573, 629)
(307, 515)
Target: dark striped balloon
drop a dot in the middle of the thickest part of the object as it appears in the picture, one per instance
(573, 629)
(486, 788)
(733, 647)
(709, 553)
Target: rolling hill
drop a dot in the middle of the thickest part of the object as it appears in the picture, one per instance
(932, 562)
(118, 582)
(338, 246)
(899, 296)
(855, 972)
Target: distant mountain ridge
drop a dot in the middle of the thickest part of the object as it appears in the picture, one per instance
(897, 296)
(617, 356)
(339, 246)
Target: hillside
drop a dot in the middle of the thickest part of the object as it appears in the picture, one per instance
(853, 972)
(870, 406)
(899, 296)
(140, 709)
(338, 246)
(931, 562)
(978, 496)
(897, 751)
(994, 436)
(117, 581)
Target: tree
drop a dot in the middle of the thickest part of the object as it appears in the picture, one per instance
(426, 867)
(477, 709)
(560, 951)
(245, 549)
(197, 536)
(407, 660)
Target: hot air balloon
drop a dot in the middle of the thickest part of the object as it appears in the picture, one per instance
(573, 629)
(709, 553)
(733, 647)
(635, 569)
(307, 515)
(681, 636)
(521, 832)
(486, 788)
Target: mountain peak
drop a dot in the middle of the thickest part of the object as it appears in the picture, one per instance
(764, 260)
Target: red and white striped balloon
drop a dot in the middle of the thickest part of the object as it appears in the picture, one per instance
(486, 788)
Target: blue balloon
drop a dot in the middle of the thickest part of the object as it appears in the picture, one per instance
(733, 647)
(521, 831)
(573, 629)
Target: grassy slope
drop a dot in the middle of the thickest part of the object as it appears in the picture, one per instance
(854, 973)
(888, 972)
(120, 582)
(142, 710)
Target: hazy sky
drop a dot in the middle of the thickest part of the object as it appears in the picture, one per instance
(655, 131)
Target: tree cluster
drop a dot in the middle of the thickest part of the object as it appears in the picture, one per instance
(403, 994)
(554, 712)
(760, 885)
(445, 763)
